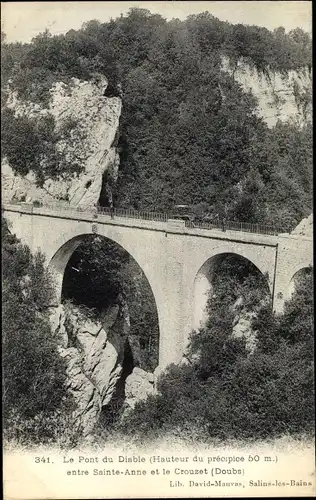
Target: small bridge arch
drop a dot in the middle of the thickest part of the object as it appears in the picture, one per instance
(296, 274)
(202, 284)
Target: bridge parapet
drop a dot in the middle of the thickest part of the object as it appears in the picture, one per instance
(141, 215)
(176, 224)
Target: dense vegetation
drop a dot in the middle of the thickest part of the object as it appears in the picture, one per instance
(31, 144)
(224, 390)
(36, 405)
(123, 44)
(188, 133)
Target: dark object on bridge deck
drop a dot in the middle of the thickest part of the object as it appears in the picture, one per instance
(182, 212)
(112, 211)
(208, 218)
(224, 224)
(212, 220)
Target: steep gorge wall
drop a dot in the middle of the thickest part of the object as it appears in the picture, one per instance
(95, 353)
(91, 144)
(280, 96)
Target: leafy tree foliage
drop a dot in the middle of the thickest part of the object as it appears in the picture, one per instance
(30, 144)
(36, 404)
(297, 323)
(188, 132)
(226, 392)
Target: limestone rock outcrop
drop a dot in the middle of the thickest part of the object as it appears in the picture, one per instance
(94, 357)
(305, 227)
(243, 322)
(280, 96)
(91, 144)
(243, 329)
(138, 385)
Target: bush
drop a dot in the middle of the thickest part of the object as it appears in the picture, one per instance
(226, 392)
(253, 400)
(35, 398)
(30, 144)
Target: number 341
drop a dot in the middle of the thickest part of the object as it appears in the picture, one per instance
(43, 460)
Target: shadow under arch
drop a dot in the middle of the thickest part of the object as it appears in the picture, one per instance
(60, 259)
(202, 285)
(296, 277)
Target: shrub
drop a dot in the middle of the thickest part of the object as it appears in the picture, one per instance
(35, 398)
(30, 144)
(227, 393)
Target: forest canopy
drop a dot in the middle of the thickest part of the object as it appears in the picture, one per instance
(188, 132)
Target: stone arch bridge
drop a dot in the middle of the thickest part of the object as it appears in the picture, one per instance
(172, 256)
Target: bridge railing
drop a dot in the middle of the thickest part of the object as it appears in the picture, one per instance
(246, 227)
(133, 214)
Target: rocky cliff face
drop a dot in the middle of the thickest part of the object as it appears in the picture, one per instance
(280, 96)
(94, 358)
(92, 141)
(91, 144)
(94, 350)
(305, 227)
(243, 322)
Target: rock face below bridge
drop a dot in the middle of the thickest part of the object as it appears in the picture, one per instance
(94, 350)
(91, 145)
(139, 384)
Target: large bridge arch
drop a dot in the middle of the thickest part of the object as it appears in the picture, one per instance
(60, 259)
(59, 249)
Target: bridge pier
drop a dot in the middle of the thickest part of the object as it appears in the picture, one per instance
(171, 302)
(290, 260)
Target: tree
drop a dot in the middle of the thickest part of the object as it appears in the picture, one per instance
(226, 392)
(36, 403)
(297, 324)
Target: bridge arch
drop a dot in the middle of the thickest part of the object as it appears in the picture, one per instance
(297, 273)
(61, 257)
(202, 284)
(59, 249)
